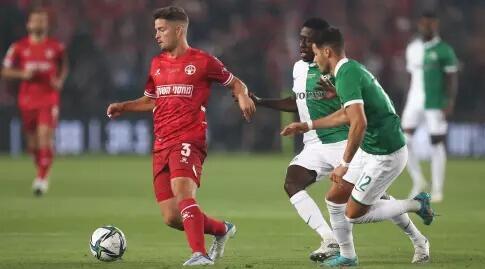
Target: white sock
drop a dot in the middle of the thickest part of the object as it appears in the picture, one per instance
(342, 229)
(387, 209)
(311, 214)
(438, 165)
(413, 166)
(405, 223)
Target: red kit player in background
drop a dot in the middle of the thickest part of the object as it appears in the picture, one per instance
(177, 91)
(41, 64)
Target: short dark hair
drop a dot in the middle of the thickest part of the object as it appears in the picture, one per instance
(330, 36)
(429, 14)
(171, 13)
(316, 24)
(38, 10)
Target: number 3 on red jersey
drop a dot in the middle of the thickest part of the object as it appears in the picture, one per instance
(185, 150)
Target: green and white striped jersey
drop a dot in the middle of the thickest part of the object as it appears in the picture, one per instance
(312, 106)
(428, 62)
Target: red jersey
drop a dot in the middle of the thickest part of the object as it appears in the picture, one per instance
(44, 59)
(181, 87)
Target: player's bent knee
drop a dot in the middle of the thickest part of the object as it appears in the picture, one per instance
(291, 187)
(339, 194)
(355, 211)
(353, 217)
(336, 197)
(183, 188)
(173, 221)
(436, 139)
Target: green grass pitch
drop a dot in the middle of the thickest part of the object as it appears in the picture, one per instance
(90, 191)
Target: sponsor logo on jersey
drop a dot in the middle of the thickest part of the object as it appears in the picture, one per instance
(157, 73)
(190, 69)
(175, 90)
(38, 65)
(315, 95)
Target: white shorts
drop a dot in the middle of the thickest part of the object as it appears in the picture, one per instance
(323, 158)
(378, 173)
(434, 119)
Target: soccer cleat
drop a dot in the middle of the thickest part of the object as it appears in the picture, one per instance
(40, 186)
(217, 249)
(198, 258)
(339, 261)
(425, 212)
(328, 248)
(436, 197)
(421, 252)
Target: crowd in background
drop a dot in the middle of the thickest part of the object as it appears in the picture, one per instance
(110, 44)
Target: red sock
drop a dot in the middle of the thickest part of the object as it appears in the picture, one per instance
(193, 220)
(213, 226)
(44, 162)
(36, 154)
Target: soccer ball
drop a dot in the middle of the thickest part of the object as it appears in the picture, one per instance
(108, 243)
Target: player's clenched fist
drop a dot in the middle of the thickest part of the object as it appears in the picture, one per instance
(338, 173)
(114, 110)
(295, 128)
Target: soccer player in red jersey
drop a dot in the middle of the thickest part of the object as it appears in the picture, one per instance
(177, 91)
(41, 64)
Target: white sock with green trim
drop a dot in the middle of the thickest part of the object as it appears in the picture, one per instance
(406, 224)
(342, 229)
(414, 169)
(438, 166)
(387, 209)
(311, 214)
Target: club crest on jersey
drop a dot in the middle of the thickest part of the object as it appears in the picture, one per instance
(49, 53)
(190, 69)
(175, 90)
(433, 56)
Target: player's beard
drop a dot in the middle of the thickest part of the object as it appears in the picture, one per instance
(168, 47)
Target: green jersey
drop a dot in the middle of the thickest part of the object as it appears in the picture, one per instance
(428, 63)
(312, 105)
(355, 84)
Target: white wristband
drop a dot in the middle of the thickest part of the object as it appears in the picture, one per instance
(344, 164)
(310, 124)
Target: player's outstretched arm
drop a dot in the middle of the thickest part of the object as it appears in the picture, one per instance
(338, 118)
(14, 73)
(287, 104)
(141, 104)
(335, 119)
(241, 93)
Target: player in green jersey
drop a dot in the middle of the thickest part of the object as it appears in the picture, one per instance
(375, 139)
(431, 98)
(323, 148)
(310, 165)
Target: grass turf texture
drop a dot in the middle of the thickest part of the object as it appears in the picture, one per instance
(90, 191)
